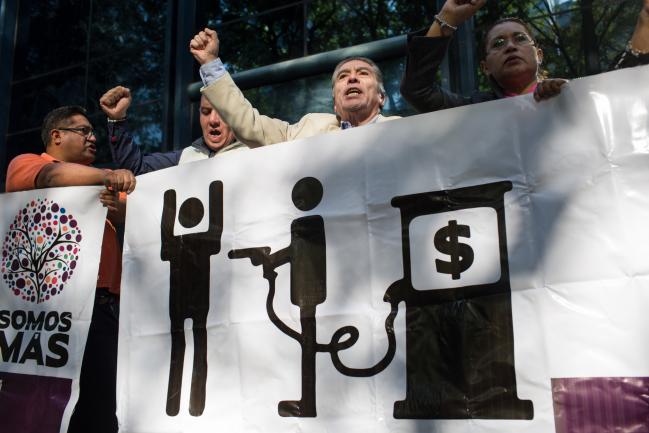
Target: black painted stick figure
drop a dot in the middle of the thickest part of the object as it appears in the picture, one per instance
(307, 255)
(189, 298)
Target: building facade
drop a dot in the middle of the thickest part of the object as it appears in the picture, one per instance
(64, 52)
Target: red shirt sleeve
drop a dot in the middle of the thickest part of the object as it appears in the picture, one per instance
(23, 171)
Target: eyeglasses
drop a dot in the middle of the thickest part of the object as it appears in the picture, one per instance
(518, 39)
(85, 131)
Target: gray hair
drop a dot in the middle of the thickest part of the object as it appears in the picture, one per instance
(375, 69)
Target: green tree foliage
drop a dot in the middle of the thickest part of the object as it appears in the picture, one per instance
(571, 32)
(579, 37)
(261, 32)
(258, 33)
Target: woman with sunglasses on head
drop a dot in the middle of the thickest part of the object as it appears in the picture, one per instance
(511, 59)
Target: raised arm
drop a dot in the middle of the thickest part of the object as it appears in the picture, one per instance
(426, 51)
(249, 126)
(452, 14)
(126, 154)
(169, 247)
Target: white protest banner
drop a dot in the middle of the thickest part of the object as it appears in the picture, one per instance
(51, 242)
(482, 269)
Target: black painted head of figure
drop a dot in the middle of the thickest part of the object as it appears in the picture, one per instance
(191, 213)
(510, 56)
(307, 193)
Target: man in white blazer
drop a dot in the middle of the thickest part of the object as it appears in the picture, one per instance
(358, 95)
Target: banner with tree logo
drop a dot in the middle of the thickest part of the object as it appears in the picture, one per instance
(51, 241)
(482, 269)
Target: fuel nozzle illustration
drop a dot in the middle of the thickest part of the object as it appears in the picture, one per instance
(306, 255)
(456, 290)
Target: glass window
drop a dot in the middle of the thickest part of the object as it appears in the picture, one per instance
(42, 22)
(258, 40)
(259, 33)
(140, 71)
(145, 123)
(223, 12)
(72, 51)
(127, 27)
(54, 67)
(333, 25)
(26, 142)
(32, 99)
(290, 101)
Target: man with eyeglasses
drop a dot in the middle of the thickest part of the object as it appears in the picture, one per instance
(357, 90)
(69, 150)
(511, 59)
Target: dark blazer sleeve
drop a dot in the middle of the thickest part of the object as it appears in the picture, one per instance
(127, 154)
(420, 85)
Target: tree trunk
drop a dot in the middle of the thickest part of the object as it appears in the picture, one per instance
(589, 38)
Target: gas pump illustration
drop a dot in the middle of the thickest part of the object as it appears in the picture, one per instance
(189, 297)
(306, 255)
(459, 332)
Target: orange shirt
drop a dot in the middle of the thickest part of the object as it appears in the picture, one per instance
(21, 176)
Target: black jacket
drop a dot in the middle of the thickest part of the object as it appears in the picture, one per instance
(420, 86)
(422, 90)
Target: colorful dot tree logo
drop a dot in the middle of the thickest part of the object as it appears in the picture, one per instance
(40, 251)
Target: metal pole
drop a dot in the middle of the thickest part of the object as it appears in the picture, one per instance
(184, 70)
(8, 19)
(311, 65)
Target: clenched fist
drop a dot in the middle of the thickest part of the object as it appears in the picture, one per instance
(205, 46)
(115, 102)
(454, 13)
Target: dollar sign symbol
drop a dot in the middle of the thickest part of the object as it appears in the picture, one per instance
(461, 255)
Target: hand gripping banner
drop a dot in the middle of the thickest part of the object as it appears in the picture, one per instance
(481, 269)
